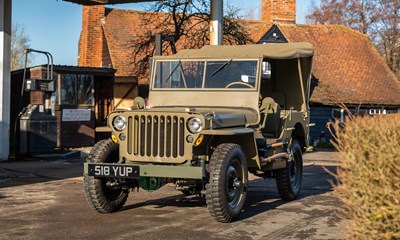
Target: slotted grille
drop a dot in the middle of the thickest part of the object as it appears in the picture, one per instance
(156, 136)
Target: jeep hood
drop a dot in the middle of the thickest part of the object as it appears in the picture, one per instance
(218, 117)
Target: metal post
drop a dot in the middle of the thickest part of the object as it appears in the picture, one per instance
(217, 8)
(158, 44)
(5, 75)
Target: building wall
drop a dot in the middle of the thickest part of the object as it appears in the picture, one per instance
(320, 115)
(69, 133)
(278, 11)
(92, 43)
(94, 52)
(125, 90)
(75, 133)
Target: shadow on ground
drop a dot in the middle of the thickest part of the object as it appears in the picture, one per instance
(262, 196)
(22, 172)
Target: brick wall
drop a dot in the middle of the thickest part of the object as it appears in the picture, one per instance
(92, 42)
(278, 11)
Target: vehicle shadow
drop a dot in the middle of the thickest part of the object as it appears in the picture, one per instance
(262, 194)
(178, 200)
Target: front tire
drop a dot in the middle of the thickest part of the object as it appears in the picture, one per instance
(289, 179)
(227, 187)
(101, 197)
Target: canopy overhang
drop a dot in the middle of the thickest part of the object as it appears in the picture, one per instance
(103, 2)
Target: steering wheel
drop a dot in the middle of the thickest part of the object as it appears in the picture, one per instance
(238, 83)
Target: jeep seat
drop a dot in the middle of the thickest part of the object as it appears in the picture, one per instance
(270, 115)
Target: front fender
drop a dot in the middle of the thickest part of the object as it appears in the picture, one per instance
(242, 136)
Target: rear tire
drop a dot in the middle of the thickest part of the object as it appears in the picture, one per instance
(289, 179)
(227, 187)
(100, 197)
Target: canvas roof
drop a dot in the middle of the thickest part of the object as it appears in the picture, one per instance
(347, 67)
(271, 51)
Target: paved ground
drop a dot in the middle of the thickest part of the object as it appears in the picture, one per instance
(45, 200)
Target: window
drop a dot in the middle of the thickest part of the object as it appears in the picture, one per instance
(77, 89)
(194, 74)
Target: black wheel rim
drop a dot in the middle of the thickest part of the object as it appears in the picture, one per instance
(111, 194)
(295, 172)
(234, 184)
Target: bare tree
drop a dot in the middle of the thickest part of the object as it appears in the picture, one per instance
(387, 33)
(380, 19)
(187, 24)
(357, 14)
(19, 42)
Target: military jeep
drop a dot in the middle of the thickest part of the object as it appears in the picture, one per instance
(212, 116)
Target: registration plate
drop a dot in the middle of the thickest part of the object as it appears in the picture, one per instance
(113, 171)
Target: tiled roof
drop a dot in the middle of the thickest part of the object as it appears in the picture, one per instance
(347, 67)
(120, 27)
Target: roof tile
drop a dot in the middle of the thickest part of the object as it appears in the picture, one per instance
(347, 67)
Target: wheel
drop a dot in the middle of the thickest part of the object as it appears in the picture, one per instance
(100, 196)
(289, 179)
(227, 186)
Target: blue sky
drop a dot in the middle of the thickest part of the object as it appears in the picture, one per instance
(54, 25)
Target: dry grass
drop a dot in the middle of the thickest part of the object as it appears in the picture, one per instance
(369, 176)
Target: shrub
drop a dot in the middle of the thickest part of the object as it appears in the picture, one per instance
(369, 176)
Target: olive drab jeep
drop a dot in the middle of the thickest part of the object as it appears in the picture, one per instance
(213, 115)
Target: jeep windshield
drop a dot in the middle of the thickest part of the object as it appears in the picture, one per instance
(202, 74)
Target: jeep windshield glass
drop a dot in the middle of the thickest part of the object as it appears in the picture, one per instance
(197, 74)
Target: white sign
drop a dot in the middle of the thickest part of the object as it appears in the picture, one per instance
(74, 115)
(377, 111)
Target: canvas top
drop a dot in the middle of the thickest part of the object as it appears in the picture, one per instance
(270, 51)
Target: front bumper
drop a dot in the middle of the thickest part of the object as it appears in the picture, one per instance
(164, 171)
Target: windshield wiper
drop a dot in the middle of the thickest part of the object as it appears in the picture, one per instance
(221, 67)
(173, 70)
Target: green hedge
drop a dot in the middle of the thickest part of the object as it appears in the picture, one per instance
(369, 176)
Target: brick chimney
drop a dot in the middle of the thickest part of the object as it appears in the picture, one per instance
(92, 41)
(278, 11)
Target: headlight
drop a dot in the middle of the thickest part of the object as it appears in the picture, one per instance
(119, 123)
(194, 125)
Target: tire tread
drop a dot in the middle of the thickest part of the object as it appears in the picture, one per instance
(214, 198)
(92, 186)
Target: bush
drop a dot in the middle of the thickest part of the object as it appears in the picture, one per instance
(369, 176)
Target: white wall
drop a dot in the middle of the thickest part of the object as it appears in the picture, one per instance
(5, 76)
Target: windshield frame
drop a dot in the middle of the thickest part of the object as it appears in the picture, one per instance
(223, 60)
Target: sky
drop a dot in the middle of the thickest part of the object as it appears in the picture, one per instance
(55, 25)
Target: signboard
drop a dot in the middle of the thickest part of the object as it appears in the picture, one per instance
(75, 115)
(377, 111)
(43, 85)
